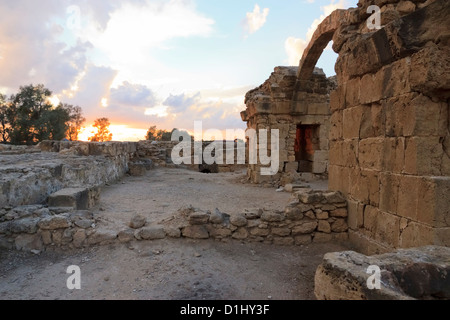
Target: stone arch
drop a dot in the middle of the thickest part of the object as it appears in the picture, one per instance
(322, 36)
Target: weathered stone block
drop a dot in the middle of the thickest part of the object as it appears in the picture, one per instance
(198, 218)
(77, 198)
(137, 221)
(320, 237)
(195, 232)
(302, 240)
(220, 232)
(389, 190)
(53, 223)
(371, 153)
(238, 220)
(285, 241)
(423, 156)
(152, 233)
(281, 232)
(259, 232)
(240, 234)
(352, 122)
(294, 213)
(27, 225)
(355, 214)
(126, 235)
(324, 226)
(305, 228)
(336, 125)
(272, 216)
(28, 242)
(101, 236)
(340, 225)
(80, 236)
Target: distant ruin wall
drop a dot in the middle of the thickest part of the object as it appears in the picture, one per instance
(390, 125)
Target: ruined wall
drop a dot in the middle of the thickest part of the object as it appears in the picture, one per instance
(30, 175)
(389, 138)
(278, 105)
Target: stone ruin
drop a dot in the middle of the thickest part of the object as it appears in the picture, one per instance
(389, 122)
(302, 118)
(380, 131)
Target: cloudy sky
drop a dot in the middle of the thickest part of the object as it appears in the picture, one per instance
(152, 62)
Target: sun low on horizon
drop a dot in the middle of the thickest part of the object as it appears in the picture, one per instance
(152, 62)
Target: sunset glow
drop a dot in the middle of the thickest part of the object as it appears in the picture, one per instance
(153, 62)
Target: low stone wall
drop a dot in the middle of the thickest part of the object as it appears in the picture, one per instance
(160, 152)
(314, 217)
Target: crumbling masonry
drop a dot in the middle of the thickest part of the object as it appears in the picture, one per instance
(389, 140)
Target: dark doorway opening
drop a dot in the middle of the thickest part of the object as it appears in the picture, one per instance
(306, 143)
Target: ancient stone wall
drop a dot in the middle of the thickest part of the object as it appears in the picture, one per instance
(389, 137)
(30, 175)
(277, 104)
(311, 217)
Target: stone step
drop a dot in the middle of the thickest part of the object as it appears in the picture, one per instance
(76, 198)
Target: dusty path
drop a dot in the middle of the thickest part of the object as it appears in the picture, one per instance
(162, 192)
(167, 270)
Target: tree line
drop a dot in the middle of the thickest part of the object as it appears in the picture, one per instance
(29, 117)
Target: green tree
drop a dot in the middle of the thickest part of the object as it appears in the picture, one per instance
(103, 134)
(53, 124)
(75, 122)
(153, 134)
(25, 112)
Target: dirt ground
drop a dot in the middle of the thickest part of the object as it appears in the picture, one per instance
(171, 269)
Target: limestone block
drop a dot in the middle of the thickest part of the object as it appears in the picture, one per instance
(423, 156)
(125, 236)
(272, 216)
(80, 236)
(416, 235)
(137, 221)
(302, 240)
(281, 232)
(240, 234)
(383, 227)
(77, 198)
(320, 237)
(28, 242)
(324, 226)
(238, 220)
(101, 236)
(198, 218)
(389, 191)
(336, 125)
(429, 71)
(340, 225)
(172, 232)
(54, 222)
(285, 241)
(394, 154)
(355, 214)
(195, 232)
(373, 122)
(152, 233)
(352, 94)
(291, 167)
(371, 153)
(305, 228)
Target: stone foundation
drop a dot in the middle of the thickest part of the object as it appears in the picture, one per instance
(421, 273)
